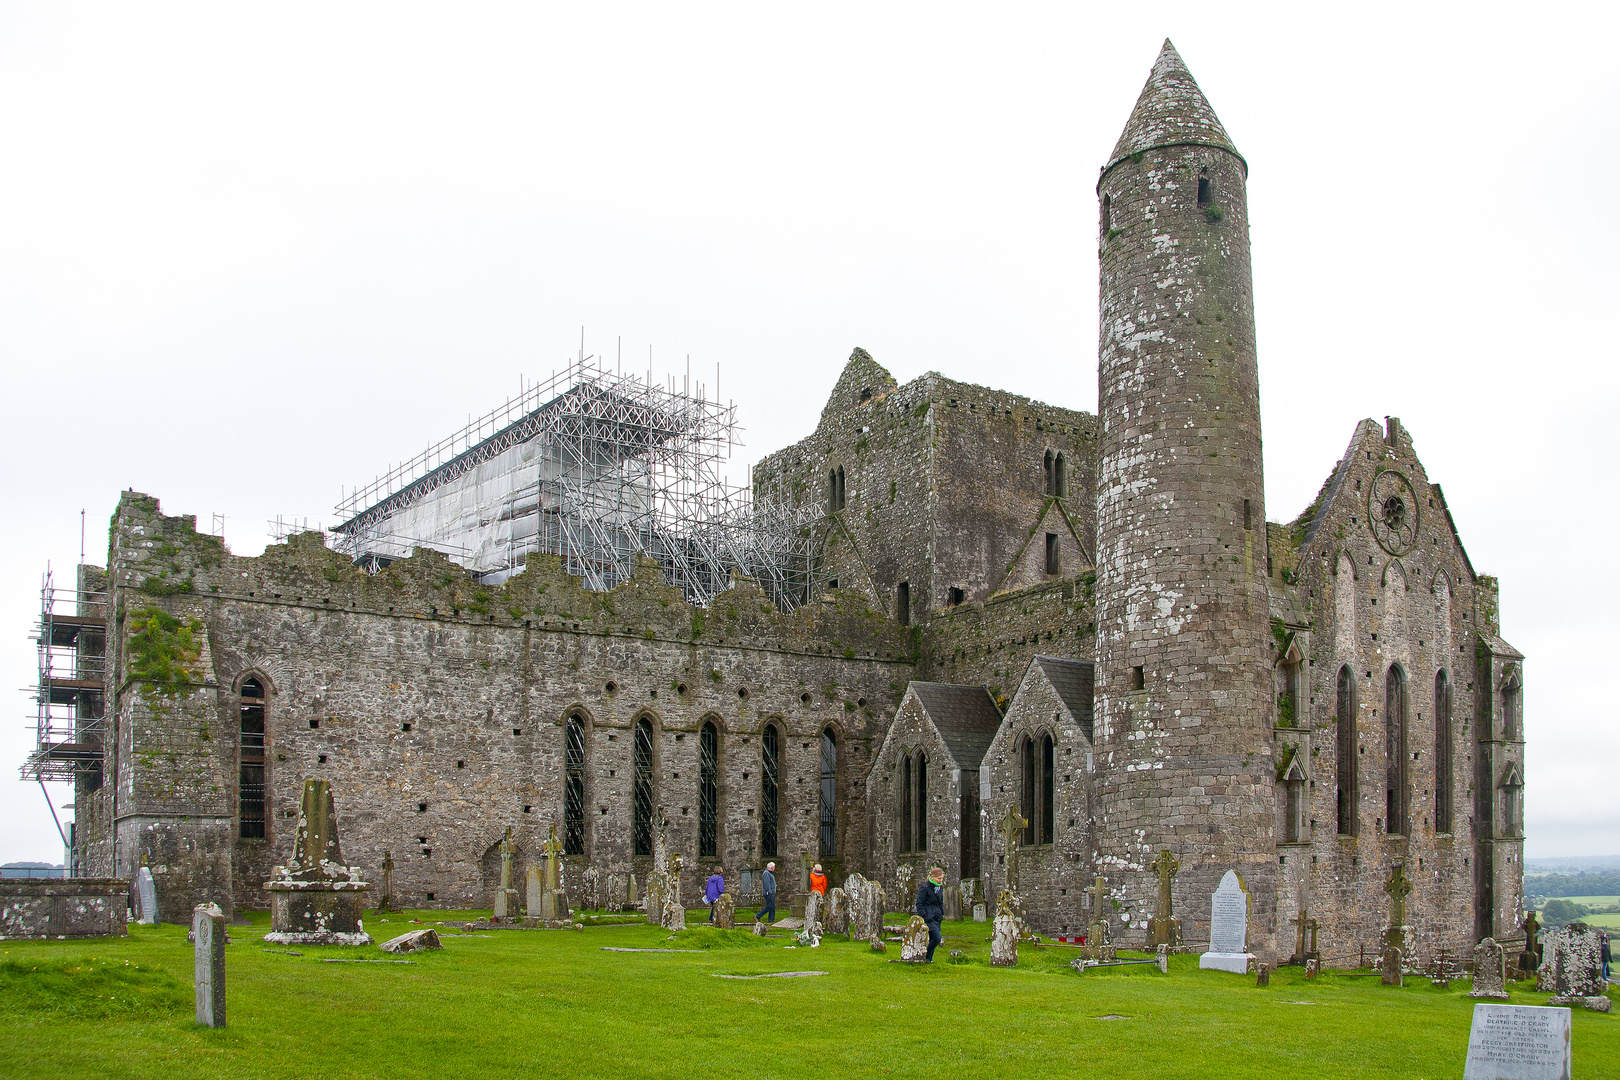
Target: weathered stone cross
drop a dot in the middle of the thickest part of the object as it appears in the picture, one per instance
(1398, 889)
(553, 850)
(1011, 824)
(1167, 865)
(1303, 920)
(1099, 893)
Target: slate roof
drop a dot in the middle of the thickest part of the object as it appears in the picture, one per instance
(1075, 682)
(1172, 111)
(966, 718)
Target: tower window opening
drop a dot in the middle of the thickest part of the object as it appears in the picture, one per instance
(1051, 485)
(1060, 478)
(1138, 678)
(902, 605)
(840, 497)
(1107, 214)
(1248, 514)
(1203, 192)
(957, 596)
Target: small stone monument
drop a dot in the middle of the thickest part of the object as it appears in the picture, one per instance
(1398, 888)
(1391, 964)
(905, 891)
(1161, 958)
(1164, 928)
(553, 901)
(953, 903)
(533, 890)
(836, 919)
(1004, 934)
(1530, 956)
(415, 941)
(980, 914)
(1518, 1042)
(145, 896)
(674, 911)
(1304, 938)
(1262, 975)
(865, 907)
(632, 894)
(914, 941)
(315, 899)
(208, 927)
(759, 928)
(1097, 947)
(385, 903)
(1011, 824)
(506, 896)
(813, 902)
(1228, 927)
(1490, 971)
(725, 912)
(1572, 968)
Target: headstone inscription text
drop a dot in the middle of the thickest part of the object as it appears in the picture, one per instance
(1229, 917)
(1521, 1042)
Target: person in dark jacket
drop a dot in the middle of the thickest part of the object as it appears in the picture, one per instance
(1605, 956)
(931, 906)
(767, 882)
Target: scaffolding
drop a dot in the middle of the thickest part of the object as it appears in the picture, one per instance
(597, 468)
(70, 695)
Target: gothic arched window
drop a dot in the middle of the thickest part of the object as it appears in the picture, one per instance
(1344, 710)
(250, 780)
(708, 790)
(922, 802)
(642, 820)
(1026, 789)
(769, 788)
(905, 803)
(828, 845)
(574, 785)
(1395, 739)
(1048, 792)
(1442, 752)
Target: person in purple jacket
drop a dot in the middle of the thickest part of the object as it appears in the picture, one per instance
(712, 890)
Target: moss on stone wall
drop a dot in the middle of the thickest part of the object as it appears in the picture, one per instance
(162, 652)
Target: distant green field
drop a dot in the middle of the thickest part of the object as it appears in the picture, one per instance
(1593, 901)
(513, 1003)
(1608, 922)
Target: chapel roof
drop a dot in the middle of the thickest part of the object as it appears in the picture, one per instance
(966, 718)
(1172, 111)
(1075, 683)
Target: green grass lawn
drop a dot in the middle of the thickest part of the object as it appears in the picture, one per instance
(517, 1003)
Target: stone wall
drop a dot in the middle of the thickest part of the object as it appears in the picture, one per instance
(991, 642)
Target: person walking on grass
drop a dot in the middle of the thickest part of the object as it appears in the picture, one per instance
(767, 882)
(712, 890)
(931, 906)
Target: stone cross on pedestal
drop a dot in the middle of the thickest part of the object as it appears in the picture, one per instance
(1398, 889)
(1099, 893)
(1164, 928)
(1530, 958)
(1012, 823)
(386, 902)
(503, 905)
(1302, 922)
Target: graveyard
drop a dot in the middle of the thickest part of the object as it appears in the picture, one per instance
(494, 998)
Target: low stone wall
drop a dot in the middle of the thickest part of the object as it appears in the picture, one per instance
(63, 908)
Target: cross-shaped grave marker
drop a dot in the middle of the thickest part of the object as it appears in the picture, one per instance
(1012, 823)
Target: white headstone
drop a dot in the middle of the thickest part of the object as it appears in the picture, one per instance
(1518, 1042)
(208, 927)
(1228, 927)
(145, 897)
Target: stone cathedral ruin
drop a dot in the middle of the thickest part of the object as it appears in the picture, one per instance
(947, 608)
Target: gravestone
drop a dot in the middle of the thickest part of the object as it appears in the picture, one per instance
(1390, 965)
(1518, 1042)
(836, 920)
(1228, 927)
(1490, 971)
(415, 941)
(145, 897)
(315, 899)
(953, 903)
(1004, 934)
(1164, 928)
(632, 893)
(759, 928)
(553, 901)
(505, 906)
(725, 912)
(746, 887)
(865, 907)
(1097, 947)
(1572, 968)
(1303, 948)
(674, 917)
(534, 889)
(905, 892)
(970, 893)
(1262, 976)
(980, 914)
(591, 890)
(386, 903)
(812, 912)
(914, 941)
(208, 927)
(1161, 958)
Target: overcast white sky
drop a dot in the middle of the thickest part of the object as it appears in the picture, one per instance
(248, 256)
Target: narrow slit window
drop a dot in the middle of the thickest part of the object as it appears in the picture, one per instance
(642, 824)
(1060, 477)
(770, 769)
(1395, 754)
(902, 604)
(1051, 483)
(905, 804)
(574, 786)
(1054, 561)
(1204, 192)
(708, 791)
(1026, 789)
(1107, 214)
(1048, 794)
(1345, 714)
(921, 816)
(1442, 752)
(828, 840)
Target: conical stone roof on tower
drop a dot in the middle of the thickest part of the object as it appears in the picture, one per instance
(1171, 111)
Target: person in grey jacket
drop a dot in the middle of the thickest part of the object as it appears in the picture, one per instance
(767, 882)
(931, 906)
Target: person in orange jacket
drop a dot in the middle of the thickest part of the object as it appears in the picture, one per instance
(818, 880)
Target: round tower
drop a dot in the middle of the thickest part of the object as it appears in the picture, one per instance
(1184, 711)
